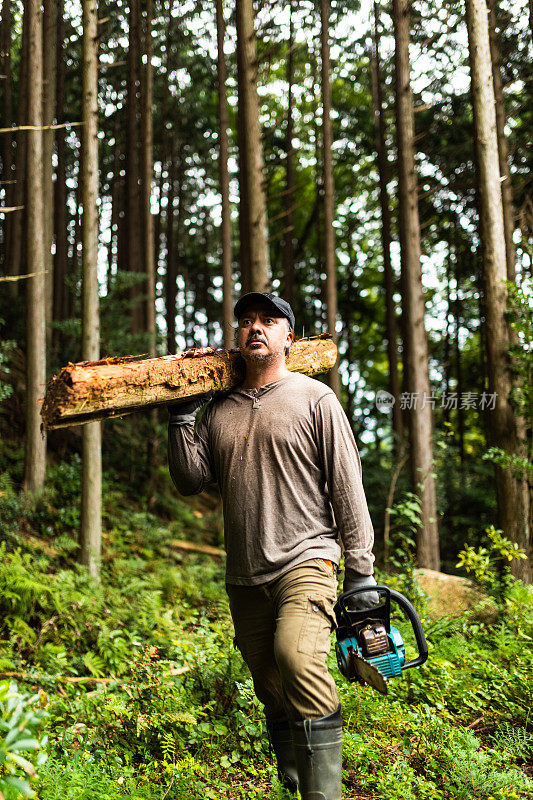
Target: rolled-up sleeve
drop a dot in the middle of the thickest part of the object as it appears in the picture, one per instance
(189, 459)
(342, 467)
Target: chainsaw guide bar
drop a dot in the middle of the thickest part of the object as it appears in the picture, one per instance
(366, 672)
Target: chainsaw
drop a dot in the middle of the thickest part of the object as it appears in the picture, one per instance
(369, 649)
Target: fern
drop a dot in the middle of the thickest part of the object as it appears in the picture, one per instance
(472, 774)
(168, 747)
(94, 664)
(516, 741)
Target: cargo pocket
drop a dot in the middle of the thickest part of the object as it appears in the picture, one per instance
(318, 623)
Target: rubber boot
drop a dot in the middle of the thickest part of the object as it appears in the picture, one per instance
(318, 752)
(280, 735)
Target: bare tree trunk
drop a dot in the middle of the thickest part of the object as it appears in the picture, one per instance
(225, 232)
(60, 294)
(288, 244)
(251, 150)
(171, 260)
(329, 200)
(16, 220)
(417, 368)
(388, 273)
(7, 111)
(91, 493)
(147, 183)
(49, 109)
(507, 431)
(35, 296)
(503, 150)
(134, 260)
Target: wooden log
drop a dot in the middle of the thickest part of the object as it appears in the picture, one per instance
(114, 387)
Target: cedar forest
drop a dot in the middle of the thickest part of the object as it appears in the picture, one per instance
(371, 162)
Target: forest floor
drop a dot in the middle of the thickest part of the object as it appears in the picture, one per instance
(133, 688)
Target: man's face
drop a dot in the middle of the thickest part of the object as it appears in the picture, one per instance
(262, 336)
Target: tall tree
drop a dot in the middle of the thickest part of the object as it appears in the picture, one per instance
(60, 293)
(14, 251)
(329, 200)
(7, 110)
(503, 149)
(49, 110)
(223, 152)
(416, 364)
(254, 233)
(507, 430)
(288, 244)
(388, 273)
(134, 206)
(170, 293)
(91, 499)
(147, 163)
(35, 295)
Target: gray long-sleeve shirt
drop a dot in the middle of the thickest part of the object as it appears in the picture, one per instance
(289, 473)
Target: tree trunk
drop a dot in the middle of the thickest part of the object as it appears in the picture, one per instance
(16, 221)
(49, 109)
(7, 111)
(118, 386)
(170, 294)
(149, 267)
(35, 295)
(251, 151)
(329, 200)
(60, 298)
(503, 150)
(91, 492)
(417, 368)
(388, 273)
(507, 431)
(288, 244)
(225, 228)
(134, 244)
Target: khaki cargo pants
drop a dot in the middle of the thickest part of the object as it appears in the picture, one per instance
(282, 629)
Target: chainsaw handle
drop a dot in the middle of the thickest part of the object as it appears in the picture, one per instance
(414, 619)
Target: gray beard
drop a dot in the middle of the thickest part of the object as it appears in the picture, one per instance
(260, 358)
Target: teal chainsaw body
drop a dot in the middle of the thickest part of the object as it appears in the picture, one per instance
(369, 649)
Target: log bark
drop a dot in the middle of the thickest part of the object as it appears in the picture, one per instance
(96, 390)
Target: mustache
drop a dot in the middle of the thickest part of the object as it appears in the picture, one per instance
(255, 338)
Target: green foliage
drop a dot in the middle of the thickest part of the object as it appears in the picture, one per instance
(490, 566)
(516, 741)
(407, 519)
(21, 750)
(177, 713)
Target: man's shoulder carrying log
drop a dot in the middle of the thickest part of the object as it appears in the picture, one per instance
(113, 387)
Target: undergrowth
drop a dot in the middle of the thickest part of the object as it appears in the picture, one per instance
(132, 688)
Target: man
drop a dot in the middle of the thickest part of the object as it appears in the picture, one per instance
(281, 450)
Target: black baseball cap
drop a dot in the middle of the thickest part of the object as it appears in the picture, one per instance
(281, 306)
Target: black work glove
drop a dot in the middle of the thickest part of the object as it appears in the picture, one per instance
(364, 600)
(184, 411)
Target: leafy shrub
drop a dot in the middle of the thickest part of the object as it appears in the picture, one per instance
(21, 751)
